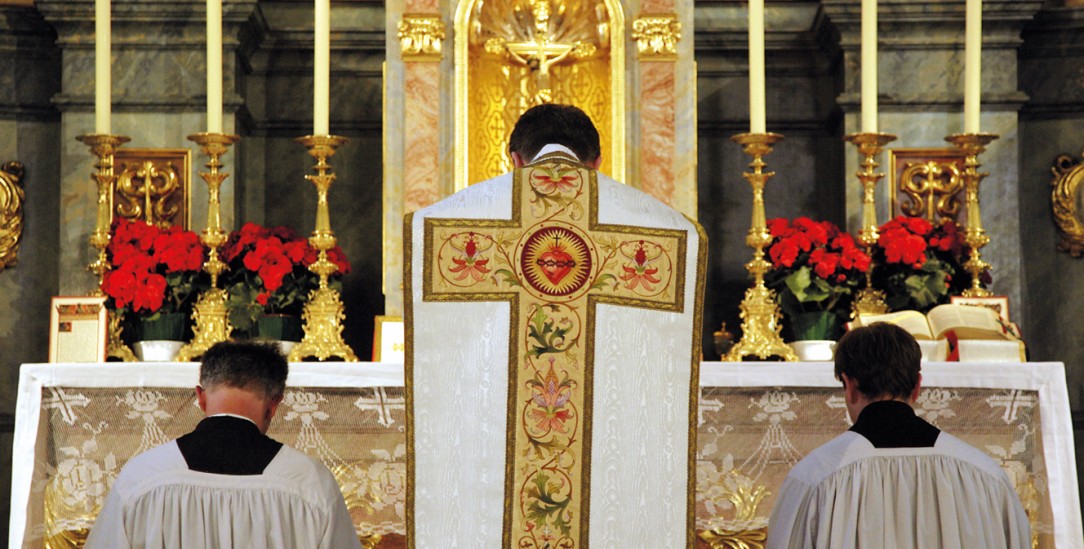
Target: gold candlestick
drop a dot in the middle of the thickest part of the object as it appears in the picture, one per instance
(759, 310)
(103, 146)
(869, 300)
(973, 144)
(323, 313)
(211, 315)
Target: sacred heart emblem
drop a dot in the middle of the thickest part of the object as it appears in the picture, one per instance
(556, 264)
(556, 260)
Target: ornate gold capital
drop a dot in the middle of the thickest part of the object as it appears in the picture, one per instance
(421, 37)
(656, 36)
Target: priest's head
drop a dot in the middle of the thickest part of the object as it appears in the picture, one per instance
(552, 123)
(878, 362)
(242, 378)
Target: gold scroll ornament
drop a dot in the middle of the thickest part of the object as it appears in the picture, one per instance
(553, 262)
(1066, 202)
(11, 212)
(656, 36)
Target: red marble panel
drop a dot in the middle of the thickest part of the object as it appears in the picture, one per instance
(421, 181)
(657, 143)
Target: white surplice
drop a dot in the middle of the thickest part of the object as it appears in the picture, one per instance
(158, 502)
(848, 494)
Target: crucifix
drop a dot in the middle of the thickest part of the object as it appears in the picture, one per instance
(553, 262)
(541, 53)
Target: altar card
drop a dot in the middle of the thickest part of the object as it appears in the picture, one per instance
(78, 329)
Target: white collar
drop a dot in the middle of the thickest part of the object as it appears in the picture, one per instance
(552, 148)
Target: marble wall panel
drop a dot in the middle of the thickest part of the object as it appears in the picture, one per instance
(657, 139)
(421, 176)
(1052, 279)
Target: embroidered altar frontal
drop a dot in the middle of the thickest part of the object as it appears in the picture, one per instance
(550, 376)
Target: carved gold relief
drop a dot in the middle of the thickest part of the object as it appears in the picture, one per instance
(513, 54)
(719, 538)
(421, 37)
(926, 183)
(11, 212)
(1066, 200)
(656, 36)
(152, 186)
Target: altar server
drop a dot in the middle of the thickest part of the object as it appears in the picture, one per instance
(893, 480)
(226, 484)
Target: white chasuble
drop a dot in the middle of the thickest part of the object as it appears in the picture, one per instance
(553, 318)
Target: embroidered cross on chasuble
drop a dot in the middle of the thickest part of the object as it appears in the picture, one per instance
(552, 348)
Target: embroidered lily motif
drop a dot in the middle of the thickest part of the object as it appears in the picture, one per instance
(640, 272)
(555, 180)
(471, 264)
(550, 397)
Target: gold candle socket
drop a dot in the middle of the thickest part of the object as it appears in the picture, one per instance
(869, 300)
(759, 310)
(211, 314)
(323, 313)
(103, 146)
(973, 144)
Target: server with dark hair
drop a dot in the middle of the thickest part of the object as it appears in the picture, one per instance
(227, 484)
(893, 480)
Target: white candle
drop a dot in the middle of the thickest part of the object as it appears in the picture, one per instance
(321, 68)
(214, 66)
(756, 67)
(869, 66)
(103, 76)
(972, 65)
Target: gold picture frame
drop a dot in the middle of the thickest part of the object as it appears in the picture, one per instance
(926, 183)
(153, 185)
(78, 329)
(389, 339)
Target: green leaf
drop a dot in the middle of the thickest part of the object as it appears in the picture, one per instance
(603, 281)
(797, 282)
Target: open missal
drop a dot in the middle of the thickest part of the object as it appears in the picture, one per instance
(957, 332)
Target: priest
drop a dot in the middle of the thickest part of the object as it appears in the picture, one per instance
(893, 480)
(227, 484)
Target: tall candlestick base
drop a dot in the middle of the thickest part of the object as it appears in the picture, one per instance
(324, 311)
(211, 314)
(759, 310)
(869, 300)
(973, 144)
(104, 146)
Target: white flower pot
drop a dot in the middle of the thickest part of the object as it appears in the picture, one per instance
(162, 350)
(813, 350)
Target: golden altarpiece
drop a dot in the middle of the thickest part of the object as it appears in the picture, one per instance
(459, 74)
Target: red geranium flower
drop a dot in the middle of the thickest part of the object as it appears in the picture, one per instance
(919, 262)
(269, 272)
(815, 266)
(153, 269)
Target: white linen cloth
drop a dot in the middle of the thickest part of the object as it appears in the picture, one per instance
(158, 502)
(643, 376)
(849, 494)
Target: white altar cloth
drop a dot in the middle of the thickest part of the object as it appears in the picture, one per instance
(755, 418)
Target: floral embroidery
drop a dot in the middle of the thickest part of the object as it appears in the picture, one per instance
(640, 271)
(470, 264)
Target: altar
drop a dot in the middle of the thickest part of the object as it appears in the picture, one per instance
(76, 425)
